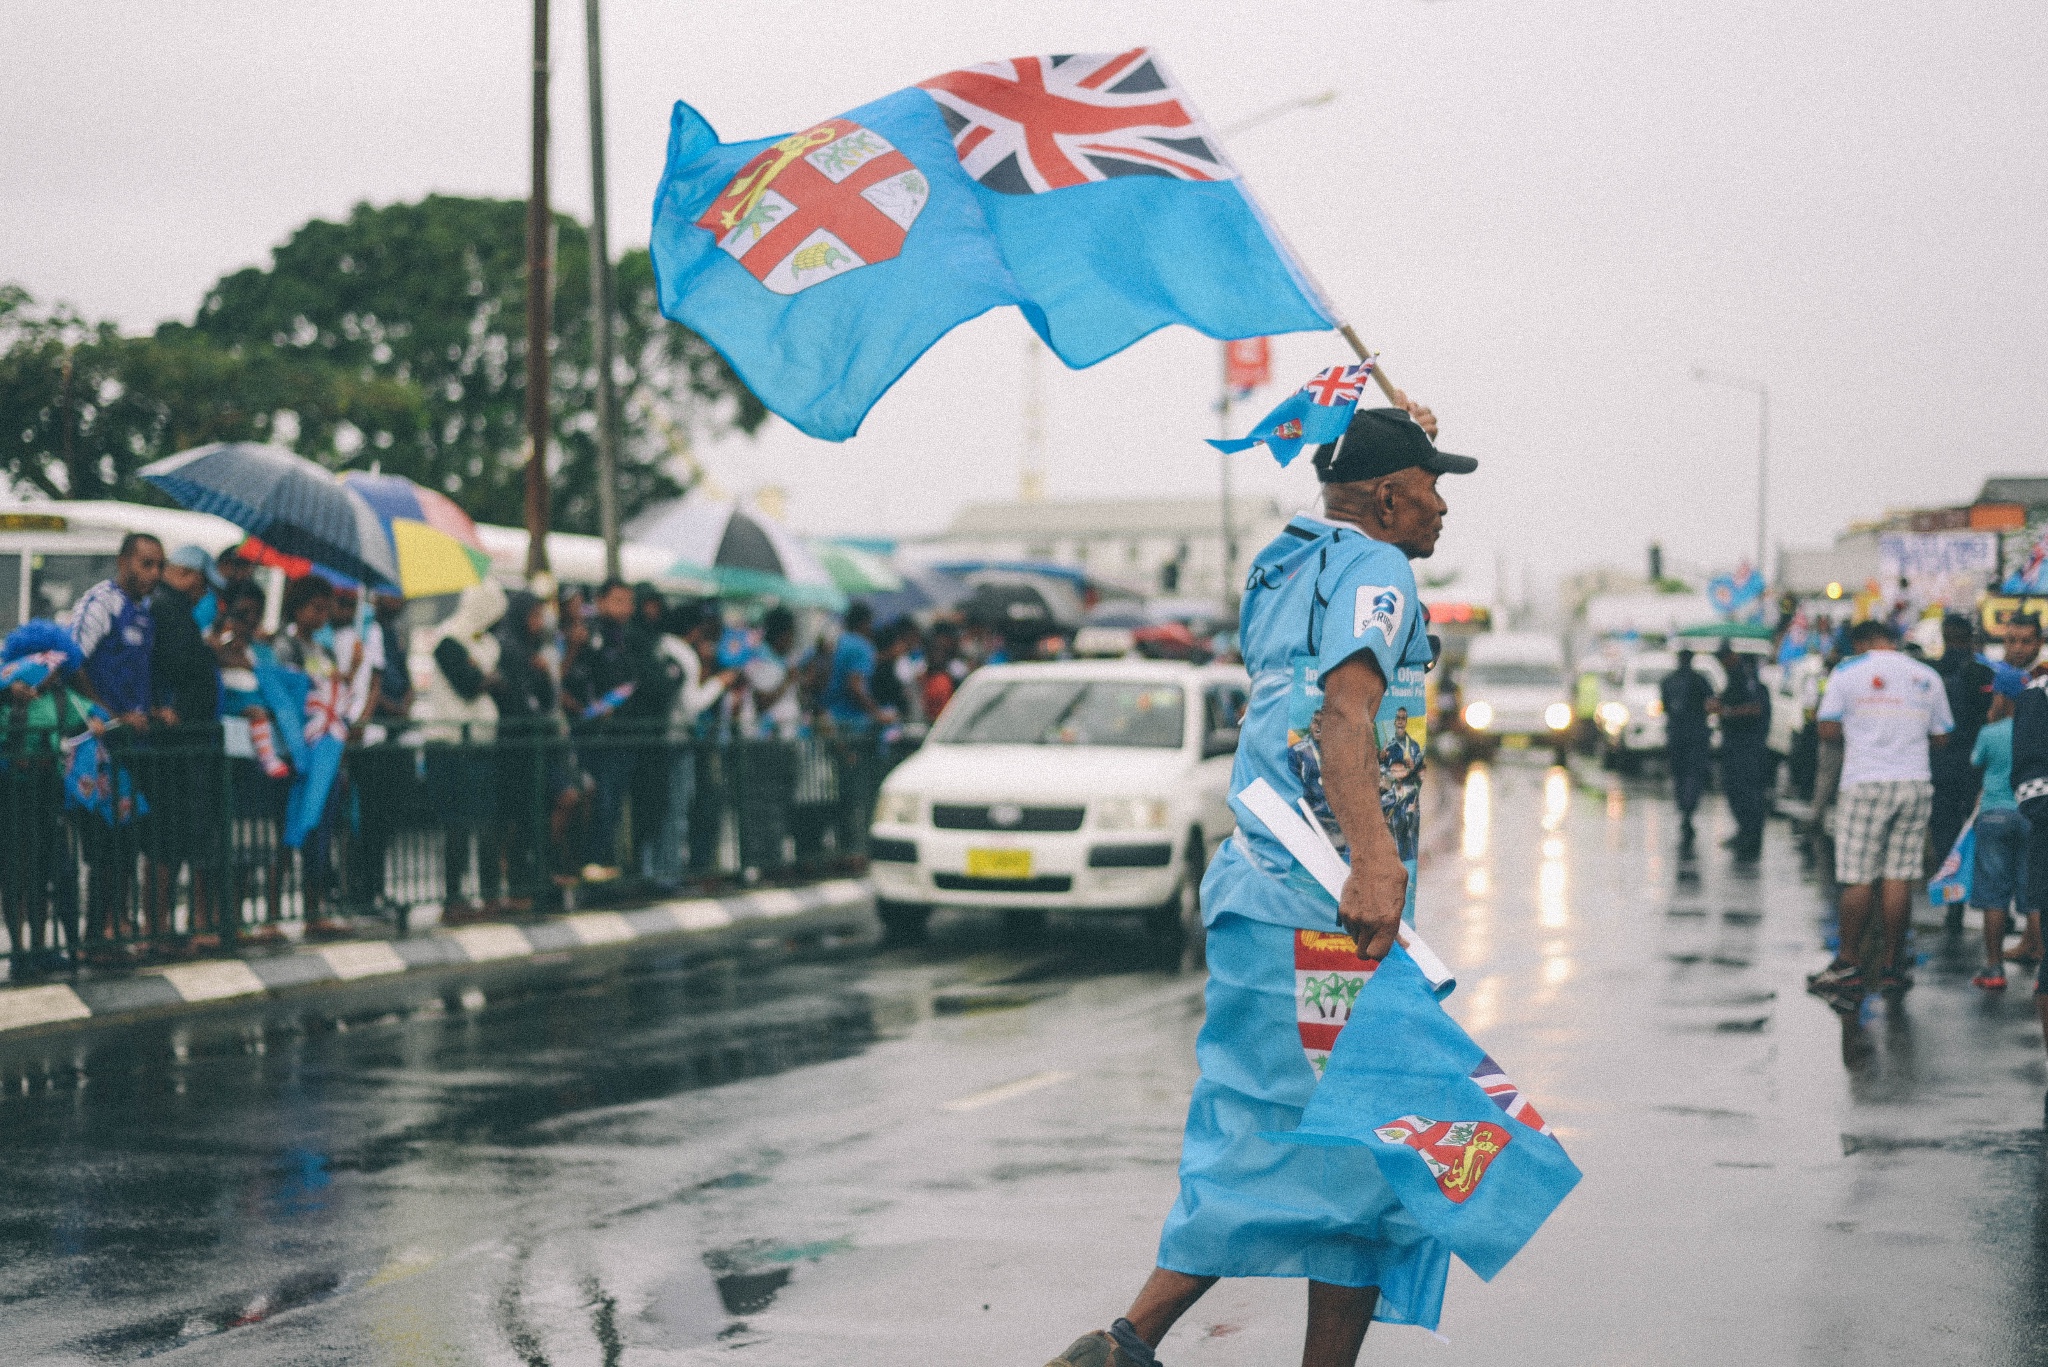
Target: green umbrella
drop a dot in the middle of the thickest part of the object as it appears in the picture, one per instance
(734, 581)
(856, 571)
(1730, 631)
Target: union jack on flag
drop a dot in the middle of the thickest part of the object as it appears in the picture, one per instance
(1494, 1081)
(1032, 124)
(1337, 384)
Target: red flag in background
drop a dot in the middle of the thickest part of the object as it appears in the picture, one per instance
(1247, 364)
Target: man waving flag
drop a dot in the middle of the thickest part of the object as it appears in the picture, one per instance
(1087, 191)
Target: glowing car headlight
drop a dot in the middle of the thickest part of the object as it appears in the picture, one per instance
(1130, 814)
(897, 809)
(1479, 715)
(1557, 716)
(1613, 716)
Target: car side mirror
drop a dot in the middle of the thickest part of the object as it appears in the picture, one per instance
(1221, 741)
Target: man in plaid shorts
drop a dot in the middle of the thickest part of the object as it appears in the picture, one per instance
(1886, 708)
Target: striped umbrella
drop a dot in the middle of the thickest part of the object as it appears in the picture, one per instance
(435, 542)
(295, 506)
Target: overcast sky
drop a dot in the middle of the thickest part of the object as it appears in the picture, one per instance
(1542, 214)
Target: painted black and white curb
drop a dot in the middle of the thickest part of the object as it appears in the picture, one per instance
(213, 980)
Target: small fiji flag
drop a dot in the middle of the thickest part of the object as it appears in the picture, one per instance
(1316, 413)
(1468, 1157)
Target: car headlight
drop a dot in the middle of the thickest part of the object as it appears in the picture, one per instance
(1130, 814)
(1557, 716)
(1479, 715)
(897, 809)
(1613, 716)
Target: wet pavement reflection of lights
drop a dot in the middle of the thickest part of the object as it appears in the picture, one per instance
(1557, 797)
(1477, 883)
(1478, 815)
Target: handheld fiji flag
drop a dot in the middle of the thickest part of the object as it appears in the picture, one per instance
(1316, 413)
(1467, 1155)
(1951, 882)
(608, 704)
(1087, 191)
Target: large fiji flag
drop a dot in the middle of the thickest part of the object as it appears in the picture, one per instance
(1463, 1149)
(1087, 191)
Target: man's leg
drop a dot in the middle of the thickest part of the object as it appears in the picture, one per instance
(1994, 941)
(1856, 900)
(1165, 1298)
(1337, 1320)
(1895, 896)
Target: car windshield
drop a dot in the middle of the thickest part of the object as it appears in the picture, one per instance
(1064, 712)
(1507, 674)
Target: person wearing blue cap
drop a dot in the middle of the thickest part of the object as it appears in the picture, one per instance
(1336, 642)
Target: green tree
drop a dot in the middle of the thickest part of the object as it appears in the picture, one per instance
(82, 407)
(432, 296)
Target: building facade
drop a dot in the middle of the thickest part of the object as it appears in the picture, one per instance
(1171, 546)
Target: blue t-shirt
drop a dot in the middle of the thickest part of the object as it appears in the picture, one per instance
(1318, 596)
(1993, 754)
(854, 655)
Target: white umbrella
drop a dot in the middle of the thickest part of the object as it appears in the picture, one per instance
(734, 544)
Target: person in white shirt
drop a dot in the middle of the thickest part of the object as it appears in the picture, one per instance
(1886, 708)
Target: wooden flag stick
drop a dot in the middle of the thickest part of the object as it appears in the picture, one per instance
(1364, 354)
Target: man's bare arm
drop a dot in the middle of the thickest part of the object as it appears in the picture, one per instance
(1377, 889)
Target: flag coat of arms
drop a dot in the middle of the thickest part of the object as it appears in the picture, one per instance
(1312, 415)
(1087, 191)
(1469, 1158)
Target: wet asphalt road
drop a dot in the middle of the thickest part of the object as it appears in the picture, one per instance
(962, 1154)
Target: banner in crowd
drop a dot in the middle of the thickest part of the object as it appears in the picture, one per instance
(1938, 569)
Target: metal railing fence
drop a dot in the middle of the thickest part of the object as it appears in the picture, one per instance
(187, 852)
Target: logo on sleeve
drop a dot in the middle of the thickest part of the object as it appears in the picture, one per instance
(1378, 608)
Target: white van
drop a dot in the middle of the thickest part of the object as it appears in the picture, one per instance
(1514, 690)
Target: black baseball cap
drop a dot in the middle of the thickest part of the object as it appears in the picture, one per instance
(1381, 441)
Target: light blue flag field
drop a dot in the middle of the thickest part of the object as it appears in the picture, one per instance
(1471, 1161)
(1086, 191)
(1312, 415)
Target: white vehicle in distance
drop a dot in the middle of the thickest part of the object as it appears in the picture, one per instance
(1632, 721)
(1084, 787)
(1513, 692)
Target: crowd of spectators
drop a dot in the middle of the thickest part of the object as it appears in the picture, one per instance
(581, 739)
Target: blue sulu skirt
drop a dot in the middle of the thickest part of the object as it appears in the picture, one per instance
(1248, 1207)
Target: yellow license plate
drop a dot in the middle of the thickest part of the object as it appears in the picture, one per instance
(999, 863)
(1515, 742)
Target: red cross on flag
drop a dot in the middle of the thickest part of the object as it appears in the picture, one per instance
(818, 204)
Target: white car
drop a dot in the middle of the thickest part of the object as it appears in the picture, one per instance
(1513, 691)
(1632, 720)
(1089, 787)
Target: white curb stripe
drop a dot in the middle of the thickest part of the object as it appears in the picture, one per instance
(211, 981)
(775, 902)
(699, 916)
(349, 962)
(24, 1006)
(599, 927)
(481, 943)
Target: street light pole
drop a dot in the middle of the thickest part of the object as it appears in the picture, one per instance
(1252, 121)
(1763, 447)
(539, 223)
(1229, 515)
(601, 307)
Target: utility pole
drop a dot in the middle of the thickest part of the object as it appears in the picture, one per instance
(539, 234)
(1031, 477)
(1230, 594)
(601, 307)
